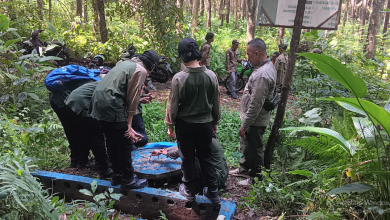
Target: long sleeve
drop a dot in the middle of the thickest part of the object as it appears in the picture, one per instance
(173, 152)
(227, 61)
(256, 101)
(134, 86)
(173, 103)
(216, 106)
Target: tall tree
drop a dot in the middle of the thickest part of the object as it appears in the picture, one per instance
(244, 14)
(235, 13)
(363, 15)
(195, 15)
(274, 136)
(222, 11)
(386, 22)
(85, 11)
(50, 7)
(228, 2)
(346, 13)
(79, 8)
(281, 35)
(353, 9)
(373, 28)
(208, 11)
(95, 17)
(102, 20)
(202, 8)
(251, 24)
(40, 9)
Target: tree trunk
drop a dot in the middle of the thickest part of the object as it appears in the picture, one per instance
(363, 15)
(373, 29)
(228, 11)
(235, 13)
(102, 20)
(221, 11)
(352, 9)
(386, 22)
(346, 14)
(95, 19)
(40, 9)
(281, 35)
(202, 8)
(251, 24)
(195, 16)
(50, 7)
(85, 11)
(208, 11)
(244, 11)
(274, 136)
(79, 8)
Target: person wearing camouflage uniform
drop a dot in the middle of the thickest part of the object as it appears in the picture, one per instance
(231, 67)
(281, 65)
(205, 49)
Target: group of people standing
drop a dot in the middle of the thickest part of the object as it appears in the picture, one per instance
(98, 116)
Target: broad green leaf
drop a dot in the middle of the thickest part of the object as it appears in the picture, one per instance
(377, 114)
(3, 195)
(314, 215)
(22, 96)
(94, 186)
(4, 23)
(25, 138)
(351, 108)
(49, 58)
(305, 193)
(60, 40)
(52, 28)
(338, 72)
(34, 96)
(116, 196)
(54, 200)
(387, 106)
(383, 174)
(51, 46)
(328, 133)
(85, 192)
(350, 188)
(9, 42)
(364, 127)
(301, 172)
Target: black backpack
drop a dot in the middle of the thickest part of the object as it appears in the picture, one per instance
(270, 105)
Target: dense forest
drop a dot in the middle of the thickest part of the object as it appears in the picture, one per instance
(326, 149)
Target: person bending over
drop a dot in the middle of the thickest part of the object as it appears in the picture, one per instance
(193, 107)
(114, 102)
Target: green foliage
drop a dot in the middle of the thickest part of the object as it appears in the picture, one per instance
(24, 196)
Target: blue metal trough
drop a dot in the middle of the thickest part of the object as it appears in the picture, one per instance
(146, 202)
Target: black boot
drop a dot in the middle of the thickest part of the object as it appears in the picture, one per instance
(106, 174)
(116, 179)
(188, 194)
(211, 194)
(133, 183)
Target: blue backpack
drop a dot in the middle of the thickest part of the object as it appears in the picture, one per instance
(57, 79)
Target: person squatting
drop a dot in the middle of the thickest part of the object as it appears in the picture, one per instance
(106, 117)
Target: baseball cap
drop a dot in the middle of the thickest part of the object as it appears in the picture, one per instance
(187, 44)
(235, 42)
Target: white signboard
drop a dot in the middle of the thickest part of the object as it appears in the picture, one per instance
(324, 14)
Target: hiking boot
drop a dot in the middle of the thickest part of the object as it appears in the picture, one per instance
(188, 194)
(234, 95)
(108, 174)
(133, 183)
(212, 195)
(116, 179)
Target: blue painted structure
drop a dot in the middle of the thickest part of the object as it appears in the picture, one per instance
(145, 202)
(160, 167)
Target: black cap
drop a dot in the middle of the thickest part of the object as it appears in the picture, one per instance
(235, 42)
(151, 55)
(184, 45)
(283, 46)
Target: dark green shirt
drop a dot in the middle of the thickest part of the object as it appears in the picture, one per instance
(59, 97)
(80, 99)
(118, 93)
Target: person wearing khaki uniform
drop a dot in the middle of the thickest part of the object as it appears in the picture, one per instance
(113, 104)
(205, 50)
(254, 117)
(193, 108)
(281, 65)
(231, 67)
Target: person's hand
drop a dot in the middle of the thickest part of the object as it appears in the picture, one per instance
(150, 96)
(215, 128)
(145, 100)
(170, 132)
(159, 152)
(134, 136)
(241, 132)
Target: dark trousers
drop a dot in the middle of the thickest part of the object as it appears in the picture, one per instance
(138, 125)
(90, 137)
(70, 132)
(194, 140)
(252, 148)
(119, 148)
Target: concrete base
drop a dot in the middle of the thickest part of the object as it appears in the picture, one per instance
(146, 202)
